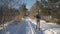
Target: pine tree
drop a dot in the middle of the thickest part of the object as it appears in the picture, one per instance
(23, 10)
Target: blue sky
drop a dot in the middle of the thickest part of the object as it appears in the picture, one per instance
(29, 3)
(16, 3)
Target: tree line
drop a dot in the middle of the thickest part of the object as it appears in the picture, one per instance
(8, 13)
(50, 8)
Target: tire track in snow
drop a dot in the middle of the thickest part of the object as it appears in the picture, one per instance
(32, 29)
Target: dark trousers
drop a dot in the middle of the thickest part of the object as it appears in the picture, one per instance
(38, 24)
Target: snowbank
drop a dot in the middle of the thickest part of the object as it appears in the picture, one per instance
(52, 31)
(48, 32)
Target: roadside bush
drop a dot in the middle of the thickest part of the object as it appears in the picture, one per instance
(58, 22)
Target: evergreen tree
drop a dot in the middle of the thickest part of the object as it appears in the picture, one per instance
(23, 10)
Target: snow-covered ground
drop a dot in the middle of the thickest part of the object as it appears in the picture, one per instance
(1, 26)
(28, 26)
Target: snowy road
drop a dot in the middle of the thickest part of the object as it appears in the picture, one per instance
(31, 28)
(27, 26)
(23, 27)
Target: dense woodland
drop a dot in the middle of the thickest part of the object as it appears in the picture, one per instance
(49, 11)
(8, 13)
